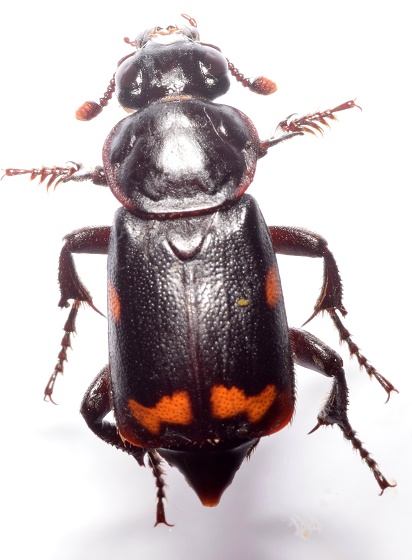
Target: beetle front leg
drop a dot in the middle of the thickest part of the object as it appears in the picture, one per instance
(56, 175)
(311, 353)
(94, 408)
(309, 124)
(93, 240)
(303, 243)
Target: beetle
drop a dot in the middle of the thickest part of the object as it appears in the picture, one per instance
(201, 357)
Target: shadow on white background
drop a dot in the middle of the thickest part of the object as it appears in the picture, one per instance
(65, 495)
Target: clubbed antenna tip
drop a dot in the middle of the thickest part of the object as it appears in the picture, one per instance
(90, 109)
(260, 85)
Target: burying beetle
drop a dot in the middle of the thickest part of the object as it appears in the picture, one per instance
(200, 353)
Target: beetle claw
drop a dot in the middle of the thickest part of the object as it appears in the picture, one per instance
(91, 304)
(318, 425)
(48, 391)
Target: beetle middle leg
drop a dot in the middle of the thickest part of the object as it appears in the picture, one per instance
(303, 243)
(300, 242)
(93, 240)
(94, 408)
(310, 352)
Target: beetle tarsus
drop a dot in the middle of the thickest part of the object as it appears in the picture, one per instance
(313, 122)
(54, 174)
(69, 329)
(48, 391)
(354, 350)
(308, 124)
(156, 466)
(350, 435)
(347, 105)
(312, 353)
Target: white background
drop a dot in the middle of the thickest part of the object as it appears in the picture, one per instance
(66, 495)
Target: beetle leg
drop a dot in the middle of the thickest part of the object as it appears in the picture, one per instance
(311, 123)
(312, 353)
(97, 176)
(300, 242)
(95, 406)
(87, 240)
(92, 240)
(56, 175)
(155, 462)
(69, 328)
(354, 350)
(303, 243)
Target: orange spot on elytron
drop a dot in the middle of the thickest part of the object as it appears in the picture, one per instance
(172, 410)
(230, 402)
(272, 287)
(114, 303)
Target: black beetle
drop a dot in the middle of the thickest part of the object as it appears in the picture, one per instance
(201, 355)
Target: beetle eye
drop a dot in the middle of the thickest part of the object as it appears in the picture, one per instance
(195, 34)
(140, 39)
(215, 63)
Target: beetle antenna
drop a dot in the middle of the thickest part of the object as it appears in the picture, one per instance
(130, 42)
(191, 20)
(260, 85)
(90, 109)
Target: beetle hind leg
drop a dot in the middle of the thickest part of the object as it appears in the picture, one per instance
(94, 408)
(312, 353)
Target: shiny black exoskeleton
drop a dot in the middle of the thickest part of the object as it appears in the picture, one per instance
(201, 356)
(202, 261)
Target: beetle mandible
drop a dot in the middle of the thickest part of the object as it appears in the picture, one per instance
(201, 358)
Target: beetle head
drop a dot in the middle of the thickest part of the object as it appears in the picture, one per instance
(168, 34)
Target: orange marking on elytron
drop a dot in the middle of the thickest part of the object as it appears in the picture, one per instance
(272, 287)
(114, 303)
(230, 402)
(172, 410)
